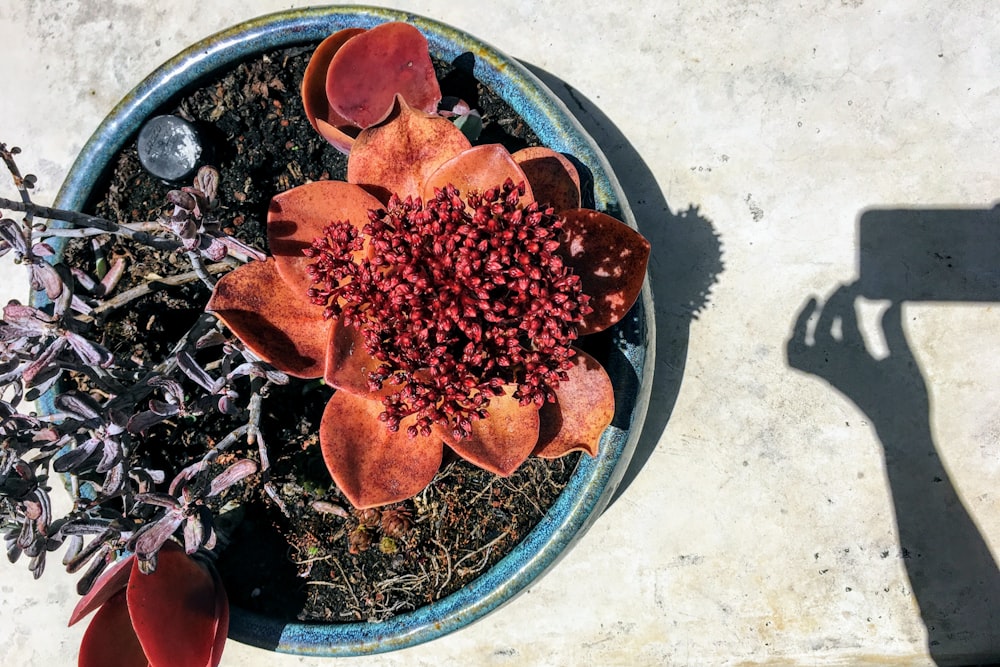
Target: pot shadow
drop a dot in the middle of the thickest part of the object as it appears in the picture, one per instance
(908, 255)
(684, 264)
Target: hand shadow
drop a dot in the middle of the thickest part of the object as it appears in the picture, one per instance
(952, 573)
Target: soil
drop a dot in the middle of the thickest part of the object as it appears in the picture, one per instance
(317, 559)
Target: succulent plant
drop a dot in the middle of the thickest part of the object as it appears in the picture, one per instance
(355, 74)
(176, 616)
(440, 291)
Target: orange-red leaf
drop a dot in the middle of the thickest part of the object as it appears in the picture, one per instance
(298, 216)
(348, 362)
(610, 258)
(277, 323)
(397, 156)
(585, 405)
(501, 442)
(112, 581)
(110, 640)
(335, 128)
(173, 610)
(477, 169)
(553, 178)
(340, 137)
(369, 70)
(372, 465)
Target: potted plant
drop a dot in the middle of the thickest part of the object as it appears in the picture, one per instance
(452, 279)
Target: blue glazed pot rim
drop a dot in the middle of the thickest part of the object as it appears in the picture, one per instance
(595, 479)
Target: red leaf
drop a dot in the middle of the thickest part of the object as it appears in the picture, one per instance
(501, 442)
(553, 178)
(340, 137)
(348, 362)
(477, 169)
(370, 69)
(173, 610)
(585, 405)
(222, 614)
(277, 323)
(335, 128)
(372, 465)
(110, 640)
(298, 216)
(397, 156)
(112, 581)
(610, 258)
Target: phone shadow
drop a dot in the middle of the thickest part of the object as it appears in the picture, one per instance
(685, 263)
(907, 255)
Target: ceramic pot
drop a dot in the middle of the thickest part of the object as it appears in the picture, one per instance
(629, 365)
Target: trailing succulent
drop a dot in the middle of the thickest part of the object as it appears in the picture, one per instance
(440, 290)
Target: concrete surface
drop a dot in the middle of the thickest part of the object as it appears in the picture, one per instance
(842, 515)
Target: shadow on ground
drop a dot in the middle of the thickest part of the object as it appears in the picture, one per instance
(685, 263)
(909, 255)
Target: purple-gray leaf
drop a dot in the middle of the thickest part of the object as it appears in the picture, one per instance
(181, 199)
(89, 352)
(114, 480)
(194, 534)
(231, 475)
(197, 374)
(74, 458)
(44, 277)
(93, 572)
(207, 182)
(114, 274)
(158, 499)
(78, 405)
(143, 421)
(148, 539)
(74, 544)
(186, 474)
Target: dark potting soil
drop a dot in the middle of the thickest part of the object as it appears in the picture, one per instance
(316, 559)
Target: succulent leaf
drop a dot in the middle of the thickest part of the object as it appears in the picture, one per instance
(372, 465)
(553, 178)
(501, 442)
(370, 69)
(273, 319)
(476, 170)
(110, 583)
(397, 156)
(173, 610)
(298, 216)
(109, 640)
(584, 406)
(610, 257)
(336, 129)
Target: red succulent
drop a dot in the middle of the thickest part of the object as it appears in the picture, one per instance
(175, 616)
(354, 75)
(440, 290)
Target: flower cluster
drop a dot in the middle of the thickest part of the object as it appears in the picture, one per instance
(460, 297)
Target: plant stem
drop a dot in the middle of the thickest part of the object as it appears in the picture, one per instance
(198, 264)
(84, 220)
(129, 295)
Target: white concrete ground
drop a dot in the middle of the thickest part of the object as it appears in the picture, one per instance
(755, 141)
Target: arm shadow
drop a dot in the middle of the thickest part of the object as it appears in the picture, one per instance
(685, 263)
(908, 255)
